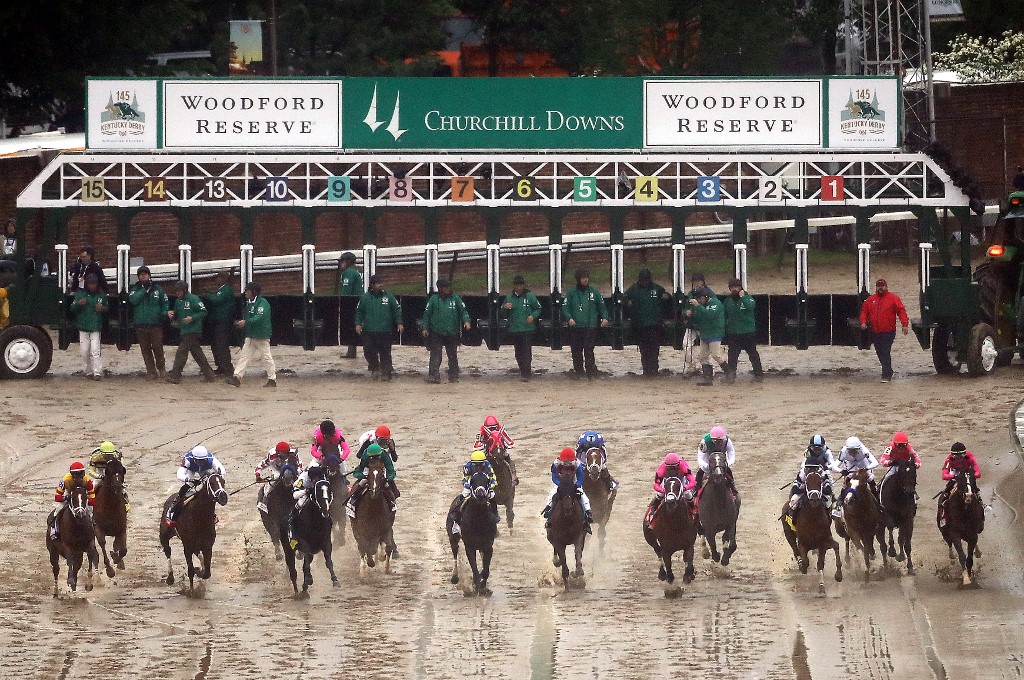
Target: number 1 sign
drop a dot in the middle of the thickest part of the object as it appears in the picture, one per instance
(832, 188)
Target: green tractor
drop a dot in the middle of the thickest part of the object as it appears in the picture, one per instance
(976, 317)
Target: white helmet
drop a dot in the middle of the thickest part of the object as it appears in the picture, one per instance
(368, 436)
(854, 443)
(200, 452)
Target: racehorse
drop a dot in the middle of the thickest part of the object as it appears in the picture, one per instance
(373, 521)
(313, 532)
(812, 528)
(339, 491)
(965, 519)
(601, 499)
(672, 528)
(899, 505)
(862, 520)
(567, 525)
(505, 491)
(278, 503)
(75, 537)
(196, 527)
(476, 531)
(718, 509)
(111, 515)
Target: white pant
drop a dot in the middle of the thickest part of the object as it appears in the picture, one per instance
(260, 350)
(89, 343)
(710, 349)
(688, 359)
(583, 498)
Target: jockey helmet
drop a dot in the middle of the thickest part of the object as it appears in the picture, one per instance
(854, 444)
(717, 432)
(382, 432)
(77, 468)
(567, 455)
(958, 449)
(331, 461)
(490, 421)
(200, 453)
(327, 428)
(373, 451)
(817, 445)
(478, 456)
(367, 436)
(282, 447)
(900, 438)
(591, 439)
(107, 447)
(672, 460)
(316, 472)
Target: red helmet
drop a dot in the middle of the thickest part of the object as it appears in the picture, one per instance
(382, 432)
(672, 459)
(282, 447)
(491, 421)
(77, 466)
(567, 455)
(900, 438)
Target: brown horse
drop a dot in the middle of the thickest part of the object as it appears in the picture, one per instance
(898, 498)
(812, 528)
(505, 491)
(567, 525)
(75, 538)
(862, 519)
(965, 520)
(476, 532)
(196, 527)
(673, 528)
(374, 520)
(601, 499)
(111, 515)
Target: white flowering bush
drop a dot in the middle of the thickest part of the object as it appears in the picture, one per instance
(984, 60)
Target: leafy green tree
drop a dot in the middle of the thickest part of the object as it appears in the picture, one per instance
(984, 60)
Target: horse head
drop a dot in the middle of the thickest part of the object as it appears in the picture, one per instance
(479, 483)
(673, 490)
(376, 476)
(813, 481)
(287, 477)
(718, 467)
(332, 464)
(114, 472)
(964, 486)
(323, 496)
(594, 460)
(213, 483)
(78, 499)
(906, 476)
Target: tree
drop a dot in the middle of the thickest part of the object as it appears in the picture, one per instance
(508, 25)
(984, 60)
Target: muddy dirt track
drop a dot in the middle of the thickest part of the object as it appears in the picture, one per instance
(758, 618)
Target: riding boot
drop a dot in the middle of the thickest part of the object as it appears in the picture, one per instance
(512, 465)
(588, 519)
(652, 509)
(127, 503)
(940, 517)
(293, 529)
(389, 495)
(172, 514)
(707, 376)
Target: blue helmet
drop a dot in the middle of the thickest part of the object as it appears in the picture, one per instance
(591, 440)
(817, 445)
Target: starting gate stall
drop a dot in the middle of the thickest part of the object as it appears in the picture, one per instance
(656, 160)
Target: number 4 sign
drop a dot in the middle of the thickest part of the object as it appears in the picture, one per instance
(832, 188)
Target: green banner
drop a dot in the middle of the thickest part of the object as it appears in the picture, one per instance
(492, 113)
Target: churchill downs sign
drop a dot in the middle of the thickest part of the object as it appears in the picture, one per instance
(337, 115)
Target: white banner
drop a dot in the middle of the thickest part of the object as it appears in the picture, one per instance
(252, 114)
(747, 114)
(863, 113)
(121, 115)
(945, 9)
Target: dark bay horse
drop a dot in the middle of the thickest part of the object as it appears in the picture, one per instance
(862, 520)
(75, 537)
(965, 520)
(196, 527)
(373, 521)
(339, 491)
(718, 509)
(896, 494)
(476, 531)
(505, 491)
(111, 516)
(812, 528)
(601, 499)
(279, 503)
(673, 528)
(567, 525)
(313, 532)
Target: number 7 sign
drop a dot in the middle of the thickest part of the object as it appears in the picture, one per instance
(832, 188)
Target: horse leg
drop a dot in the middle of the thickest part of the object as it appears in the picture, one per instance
(74, 564)
(329, 562)
(712, 544)
(847, 559)
(839, 561)
(471, 556)
(579, 557)
(600, 536)
(666, 566)
(454, 540)
(120, 549)
(94, 563)
(510, 516)
(289, 560)
(557, 560)
(971, 544)
(962, 558)
(485, 573)
(821, 570)
(892, 548)
(560, 561)
(102, 540)
(906, 535)
(729, 544)
(688, 574)
(190, 568)
(55, 565)
(307, 572)
(801, 559)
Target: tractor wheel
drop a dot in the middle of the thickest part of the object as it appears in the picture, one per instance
(944, 351)
(25, 352)
(982, 352)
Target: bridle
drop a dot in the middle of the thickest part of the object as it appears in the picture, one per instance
(594, 462)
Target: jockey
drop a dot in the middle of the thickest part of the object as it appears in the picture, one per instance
(493, 437)
(958, 460)
(477, 463)
(382, 437)
(855, 456)
(98, 459)
(300, 492)
(672, 466)
(328, 433)
(567, 459)
(194, 468)
(278, 458)
(818, 455)
(76, 476)
(715, 441)
(390, 489)
(899, 450)
(593, 440)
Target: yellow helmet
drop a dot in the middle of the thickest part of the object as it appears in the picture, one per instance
(107, 447)
(478, 455)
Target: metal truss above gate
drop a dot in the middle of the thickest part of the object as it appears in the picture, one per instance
(491, 180)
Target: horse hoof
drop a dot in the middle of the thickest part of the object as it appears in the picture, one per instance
(169, 580)
(120, 565)
(485, 592)
(110, 572)
(661, 574)
(892, 552)
(278, 558)
(455, 580)
(469, 593)
(715, 557)
(579, 572)
(839, 577)
(74, 588)
(821, 588)
(369, 562)
(977, 551)
(725, 560)
(688, 577)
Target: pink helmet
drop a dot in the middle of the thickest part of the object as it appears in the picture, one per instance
(718, 432)
(672, 459)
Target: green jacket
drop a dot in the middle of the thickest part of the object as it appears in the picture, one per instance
(351, 282)
(709, 320)
(257, 318)
(389, 467)
(586, 307)
(222, 304)
(645, 305)
(192, 306)
(739, 314)
(522, 307)
(445, 316)
(378, 312)
(149, 307)
(86, 317)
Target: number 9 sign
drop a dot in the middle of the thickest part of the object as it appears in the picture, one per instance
(339, 189)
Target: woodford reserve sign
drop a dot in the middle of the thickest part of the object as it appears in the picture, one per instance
(337, 115)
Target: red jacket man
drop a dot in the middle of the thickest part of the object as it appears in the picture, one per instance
(881, 311)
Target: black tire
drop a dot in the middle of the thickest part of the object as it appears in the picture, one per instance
(981, 351)
(25, 352)
(942, 345)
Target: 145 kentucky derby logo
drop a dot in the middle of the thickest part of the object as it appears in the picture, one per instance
(122, 115)
(862, 114)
